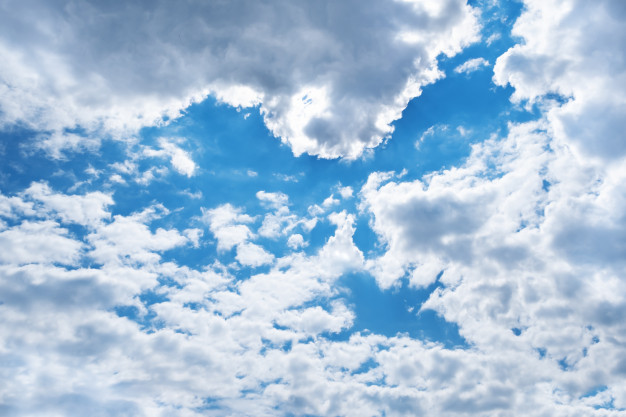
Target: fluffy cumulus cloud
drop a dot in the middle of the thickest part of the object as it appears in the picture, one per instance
(119, 305)
(236, 331)
(573, 51)
(525, 274)
(329, 77)
(526, 238)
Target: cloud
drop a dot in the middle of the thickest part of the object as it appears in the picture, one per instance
(87, 210)
(521, 268)
(492, 38)
(281, 221)
(345, 192)
(128, 238)
(565, 43)
(525, 239)
(275, 200)
(330, 201)
(38, 242)
(180, 159)
(472, 65)
(227, 223)
(296, 241)
(102, 337)
(353, 67)
(249, 254)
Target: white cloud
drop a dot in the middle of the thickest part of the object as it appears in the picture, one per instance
(316, 320)
(564, 43)
(249, 254)
(286, 178)
(262, 340)
(38, 242)
(515, 254)
(345, 192)
(87, 210)
(472, 65)
(336, 99)
(330, 201)
(340, 251)
(117, 178)
(180, 159)
(194, 236)
(296, 241)
(492, 38)
(129, 238)
(529, 236)
(279, 222)
(227, 223)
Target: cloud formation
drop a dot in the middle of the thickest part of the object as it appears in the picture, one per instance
(329, 77)
(194, 306)
(572, 62)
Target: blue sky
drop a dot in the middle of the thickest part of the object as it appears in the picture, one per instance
(347, 209)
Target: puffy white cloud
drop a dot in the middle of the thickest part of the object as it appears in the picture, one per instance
(340, 252)
(281, 221)
(38, 242)
(296, 241)
(524, 270)
(316, 320)
(128, 239)
(249, 254)
(329, 202)
(345, 192)
(573, 49)
(228, 225)
(248, 346)
(114, 67)
(275, 200)
(529, 236)
(87, 210)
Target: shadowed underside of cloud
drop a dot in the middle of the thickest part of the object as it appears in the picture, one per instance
(329, 76)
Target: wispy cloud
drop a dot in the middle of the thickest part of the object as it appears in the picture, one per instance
(471, 66)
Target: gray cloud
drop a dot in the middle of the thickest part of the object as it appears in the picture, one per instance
(330, 76)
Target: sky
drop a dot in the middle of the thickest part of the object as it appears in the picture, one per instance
(313, 208)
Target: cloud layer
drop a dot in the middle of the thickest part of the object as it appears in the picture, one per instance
(329, 77)
(522, 245)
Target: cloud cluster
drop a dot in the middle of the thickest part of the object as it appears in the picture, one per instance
(97, 341)
(573, 52)
(140, 336)
(329, 77)
(525, 239)
(527, 242)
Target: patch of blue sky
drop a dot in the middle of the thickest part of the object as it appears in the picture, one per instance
(147, 320)
(395, 311)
